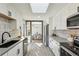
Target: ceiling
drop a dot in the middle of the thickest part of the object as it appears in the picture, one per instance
(39, 7)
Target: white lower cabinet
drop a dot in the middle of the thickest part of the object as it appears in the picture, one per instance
(15, 51)
(4, 54)
(50, 43)
(54, 46)
(20, 49)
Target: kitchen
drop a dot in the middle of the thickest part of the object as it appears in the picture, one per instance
(60, 29)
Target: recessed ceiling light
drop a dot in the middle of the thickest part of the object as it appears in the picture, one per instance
(39, 7)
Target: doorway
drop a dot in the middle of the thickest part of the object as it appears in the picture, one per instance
(34, 29)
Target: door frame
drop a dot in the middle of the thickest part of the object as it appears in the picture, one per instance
(36, 21)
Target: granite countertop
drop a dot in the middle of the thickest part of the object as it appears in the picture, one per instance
(59, 39)
(5, 50)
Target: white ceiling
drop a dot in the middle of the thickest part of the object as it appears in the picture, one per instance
(39, 7)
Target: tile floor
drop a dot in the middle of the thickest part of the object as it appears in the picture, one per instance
(38, 49)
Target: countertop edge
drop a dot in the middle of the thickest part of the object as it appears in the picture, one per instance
(13, 46)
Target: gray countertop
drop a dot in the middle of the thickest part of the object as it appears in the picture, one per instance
(5, 50)
(59, 39)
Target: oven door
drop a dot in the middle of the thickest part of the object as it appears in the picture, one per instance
(63, 52)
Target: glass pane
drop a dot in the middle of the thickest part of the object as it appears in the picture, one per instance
(28, 28)
(37, 30)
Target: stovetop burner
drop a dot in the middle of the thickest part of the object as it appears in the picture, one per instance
(74, 49)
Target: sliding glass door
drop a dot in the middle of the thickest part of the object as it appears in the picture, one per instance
(34, 29)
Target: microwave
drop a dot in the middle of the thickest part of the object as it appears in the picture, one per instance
(73, 21)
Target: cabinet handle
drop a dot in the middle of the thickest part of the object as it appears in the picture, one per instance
(18, 51)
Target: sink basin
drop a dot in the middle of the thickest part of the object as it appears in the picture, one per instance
(8, 44)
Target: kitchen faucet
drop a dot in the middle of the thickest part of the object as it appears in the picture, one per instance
(3, 35)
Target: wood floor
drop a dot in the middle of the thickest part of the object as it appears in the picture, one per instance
(38, 49)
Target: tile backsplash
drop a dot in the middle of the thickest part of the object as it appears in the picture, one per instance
(5, 26)
(62, 33)
(66, 33)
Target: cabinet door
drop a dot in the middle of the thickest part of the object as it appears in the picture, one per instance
(20, 49)
(13, 51)
(56, 48)
(64, 53)
(4, 54)
(50, 42)
(50, 45)
(17, 50)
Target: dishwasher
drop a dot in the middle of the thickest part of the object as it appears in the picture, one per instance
(25, 45)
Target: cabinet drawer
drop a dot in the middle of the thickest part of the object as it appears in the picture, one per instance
(4, 54)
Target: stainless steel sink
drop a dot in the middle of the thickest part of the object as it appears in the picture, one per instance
(8, 44)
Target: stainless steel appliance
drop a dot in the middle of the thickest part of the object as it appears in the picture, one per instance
(25, 45)
(73, 21)
(64, 53)
(46, 35)
(67, 50)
